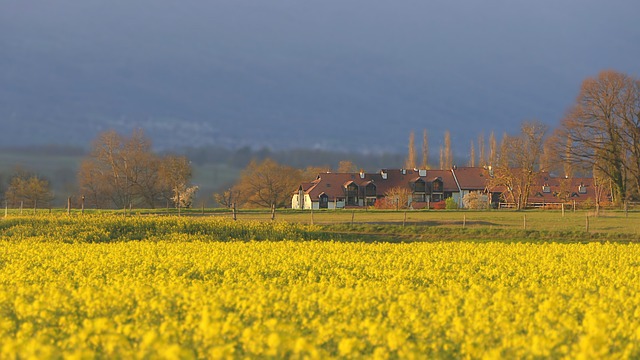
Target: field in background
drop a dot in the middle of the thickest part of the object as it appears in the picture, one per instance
(375, 225)
(540, 220)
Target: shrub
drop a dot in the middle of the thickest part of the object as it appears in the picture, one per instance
(476, 201)
(438, 205)
(451, 204)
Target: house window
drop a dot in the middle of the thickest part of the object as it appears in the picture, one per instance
(436, 186)
(324, 201)
(582, 189)
(419, 198)
(546, 189)
(351, 194)
(370, 190)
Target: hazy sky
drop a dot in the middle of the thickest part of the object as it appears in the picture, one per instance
(304, 73)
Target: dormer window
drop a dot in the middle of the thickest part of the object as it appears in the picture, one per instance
(582, 189)
(546, 189)
(419, 186)
(436, 186)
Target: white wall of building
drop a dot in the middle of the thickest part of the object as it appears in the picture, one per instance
(295, 201)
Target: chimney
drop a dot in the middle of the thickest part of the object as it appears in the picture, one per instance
(361, 174)
(383, 172)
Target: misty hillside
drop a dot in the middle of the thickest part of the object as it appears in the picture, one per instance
(355, 75)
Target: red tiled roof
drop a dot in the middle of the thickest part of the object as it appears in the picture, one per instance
(472, 178)
(469, 178)
(446, 176)
(332, 184)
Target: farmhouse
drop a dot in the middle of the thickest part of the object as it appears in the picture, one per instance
(550, 189)
(426, 187)
(342, 190)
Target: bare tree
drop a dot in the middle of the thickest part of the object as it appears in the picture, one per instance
(448, 153)
(493, 149)
(267, 184)
(121, 171)
(175, 174)
(94, 184)
(29, 189)
(311, 172)
(472, 155)
(395, 198)
(410, 163)
(604, 130)
(425, 150)
(228, 197)
(567, 164)
(482, 161)
(346, 166)
(520, 162)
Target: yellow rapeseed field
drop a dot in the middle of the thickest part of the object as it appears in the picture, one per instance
(194, 297)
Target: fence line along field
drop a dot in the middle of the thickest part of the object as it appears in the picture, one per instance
(109, 287)
(607, 222)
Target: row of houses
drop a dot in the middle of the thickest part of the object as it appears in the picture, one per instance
(426, 187)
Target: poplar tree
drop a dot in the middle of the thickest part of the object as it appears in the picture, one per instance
(425, 150)
(410, 163)
(472, 155)
(448, 153)
(493, 148)
(483, 156)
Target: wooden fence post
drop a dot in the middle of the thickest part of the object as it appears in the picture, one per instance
(353, 215)
(587, 223)
(464, 220)
(524, 221)
(69, 205)
(404, 221)
(562, 209)
(626, 208)
(273, 212)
